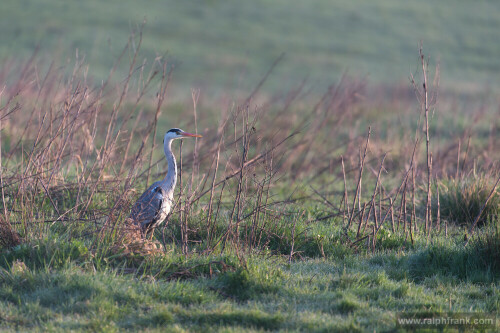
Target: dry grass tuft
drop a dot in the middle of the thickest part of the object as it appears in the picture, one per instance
(461, 200)
(130, 242)
(8, 236)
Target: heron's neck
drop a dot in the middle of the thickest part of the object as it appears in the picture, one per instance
(170, 179)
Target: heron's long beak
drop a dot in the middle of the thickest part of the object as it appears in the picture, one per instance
(190, 135)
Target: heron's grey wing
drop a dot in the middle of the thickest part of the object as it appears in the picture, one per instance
(147, 208)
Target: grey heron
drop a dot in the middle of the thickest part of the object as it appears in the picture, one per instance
(155, 203)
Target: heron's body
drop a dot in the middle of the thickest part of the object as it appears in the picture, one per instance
(154, 205)
(152, 208)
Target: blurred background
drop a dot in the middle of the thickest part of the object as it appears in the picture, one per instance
(220, 45)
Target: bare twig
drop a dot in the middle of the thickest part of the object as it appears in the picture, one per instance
(360, 177)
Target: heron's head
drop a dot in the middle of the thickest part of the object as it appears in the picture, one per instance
(177, 133)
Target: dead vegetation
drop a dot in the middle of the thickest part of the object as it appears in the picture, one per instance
(75, 155)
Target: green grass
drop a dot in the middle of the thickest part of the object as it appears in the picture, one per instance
(361, 292)
(222, 44)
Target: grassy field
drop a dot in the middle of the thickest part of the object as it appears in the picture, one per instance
(354, 293)
(304, 207)
(222, 45)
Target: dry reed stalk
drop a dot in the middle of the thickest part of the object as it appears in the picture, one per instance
(372, 201)
(375, 216)
(212, 188)
(374, 239)
(360, 177)
(402, 211)
(438, 212)
(346, 204)
(182, 212)
(361, 220)
(392, 214)
(410, 229)
(380, 196)
(466, 155)
(427, 144)
(425, 105)
(360, 158)
(292, 247)
(195, 95)
(266, 201)
(429, 230)
(413, 189)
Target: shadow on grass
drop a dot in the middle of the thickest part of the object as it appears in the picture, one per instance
(477, 263)
(256, 319)
(242, 285)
